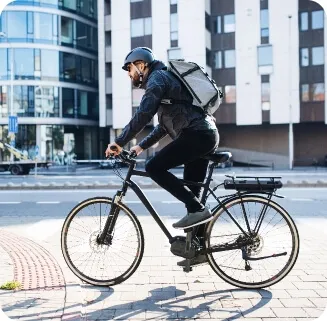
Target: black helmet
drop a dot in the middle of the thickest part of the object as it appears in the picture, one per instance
(139, 53)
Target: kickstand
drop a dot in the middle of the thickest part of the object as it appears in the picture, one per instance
(189, 236)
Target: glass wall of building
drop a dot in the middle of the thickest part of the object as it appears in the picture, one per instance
(54, 84)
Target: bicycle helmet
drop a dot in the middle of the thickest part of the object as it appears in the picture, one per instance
(139, 53)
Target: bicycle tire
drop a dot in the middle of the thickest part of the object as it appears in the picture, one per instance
(139, 254)
(295, 243)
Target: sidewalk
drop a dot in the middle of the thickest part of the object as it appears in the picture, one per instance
(98, 179)
(159, 289)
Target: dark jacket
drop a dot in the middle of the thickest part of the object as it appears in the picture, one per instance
(159, 84)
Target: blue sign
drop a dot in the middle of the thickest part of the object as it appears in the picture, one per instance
(36, 150)
(13, 124)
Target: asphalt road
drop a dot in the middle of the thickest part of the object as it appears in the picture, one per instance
(303, 204)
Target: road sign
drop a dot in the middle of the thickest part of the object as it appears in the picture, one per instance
(12, 143)
(13, 124)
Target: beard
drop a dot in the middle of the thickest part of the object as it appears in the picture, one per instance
(136, 80)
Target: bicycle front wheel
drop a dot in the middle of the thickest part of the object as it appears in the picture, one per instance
(277, 234)
(99, 264)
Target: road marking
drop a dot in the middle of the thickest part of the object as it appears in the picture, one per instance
(132, 202)
(10, 202)
(170, 202)
(301, 199)
(48, 202)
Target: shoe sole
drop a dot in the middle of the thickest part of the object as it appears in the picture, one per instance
(195, 224)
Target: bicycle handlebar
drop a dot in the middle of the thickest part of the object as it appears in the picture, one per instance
(125, 155)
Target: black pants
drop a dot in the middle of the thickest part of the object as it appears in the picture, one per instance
(187, 149)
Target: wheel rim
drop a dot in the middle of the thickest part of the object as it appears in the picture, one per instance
(230, 266)
(101, 264)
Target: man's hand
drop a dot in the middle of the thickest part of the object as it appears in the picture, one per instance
(110, 152)
(137, 149)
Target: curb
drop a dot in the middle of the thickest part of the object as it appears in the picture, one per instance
(97, 185)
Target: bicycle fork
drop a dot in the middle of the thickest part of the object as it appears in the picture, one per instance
(106, 235)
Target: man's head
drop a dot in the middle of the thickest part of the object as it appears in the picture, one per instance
(137, 64)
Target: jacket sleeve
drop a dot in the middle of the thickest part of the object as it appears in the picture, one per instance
(154, 93)
(157, 133)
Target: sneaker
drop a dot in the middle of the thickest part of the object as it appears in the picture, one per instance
(200, 259)
(194, 219)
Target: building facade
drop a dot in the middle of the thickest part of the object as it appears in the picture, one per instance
(52, 48)
(268, 57)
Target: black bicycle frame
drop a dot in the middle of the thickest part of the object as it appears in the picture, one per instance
(109, 226)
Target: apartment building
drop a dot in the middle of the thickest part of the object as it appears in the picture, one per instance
(268, 57)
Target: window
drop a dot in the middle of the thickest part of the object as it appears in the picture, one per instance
(304, 21)
(66, 30)
(229, 58)
(230, 94)
(317, 19)
(305, 93)
(141, 27)
(70, 4)
(218, 63)
(108, 70)
(3, 63)
(17, 24)
(174, 29)
(68, 102)
(264, 24)
(304, 53)
(24, 63)
(264, 19)
(217, 25)
(43, 28)
(318, 92)
(46, 101)
(175, 54)
(265, 96)
(313, 92)
(82, 105)
(265, 32)
(317, 56)
(265, 55)
(67, 66)
(229, 23)
(50, 64)
(3, 104)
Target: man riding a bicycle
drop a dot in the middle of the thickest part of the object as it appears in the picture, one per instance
(194, 134)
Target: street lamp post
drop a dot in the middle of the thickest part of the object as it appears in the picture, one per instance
(290, 129)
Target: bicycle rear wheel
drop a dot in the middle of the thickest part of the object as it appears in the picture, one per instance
(277, 234)
(99, 264)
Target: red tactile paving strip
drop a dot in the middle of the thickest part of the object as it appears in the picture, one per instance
(34, 267)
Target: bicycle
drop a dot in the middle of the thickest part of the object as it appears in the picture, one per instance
(236, 242)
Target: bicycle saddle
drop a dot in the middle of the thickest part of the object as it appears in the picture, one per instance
(218, 157)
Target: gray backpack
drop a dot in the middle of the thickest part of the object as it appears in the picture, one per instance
(203, 89)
